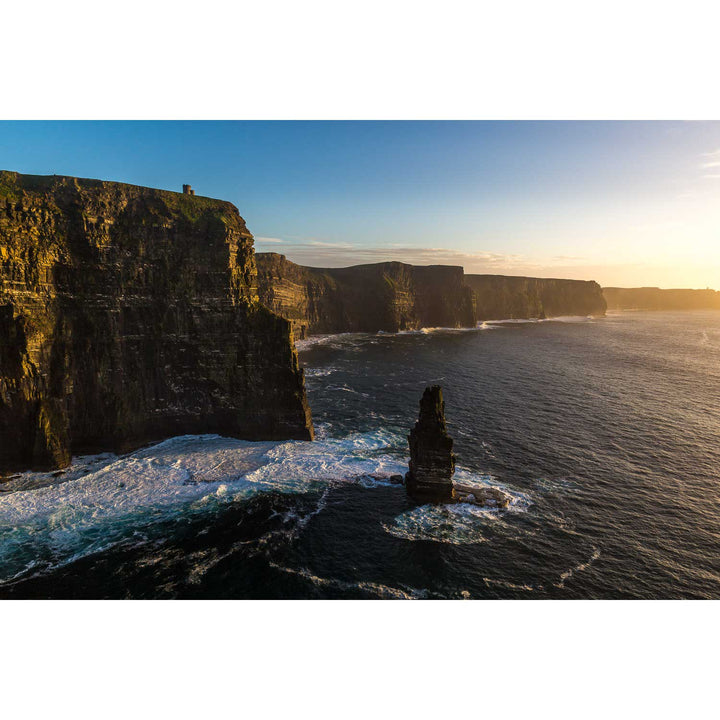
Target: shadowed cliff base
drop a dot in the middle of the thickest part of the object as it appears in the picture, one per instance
(129, 314)
(395, 296)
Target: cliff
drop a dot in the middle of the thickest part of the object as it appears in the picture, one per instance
(394, 296)
(388, 296)
(652, 298)
(500, 297)
(129, 314)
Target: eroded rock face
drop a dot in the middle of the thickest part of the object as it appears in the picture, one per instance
(128, 315)
(432, 462)
(389, 296)
(393, 296)
(502, 297)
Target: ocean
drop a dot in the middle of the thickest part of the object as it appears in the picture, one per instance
(604, 433)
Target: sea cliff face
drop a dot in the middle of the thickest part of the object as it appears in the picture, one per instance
(389, 296)
(129, 314)
(652, 298)
(500, 297)
(395, 296)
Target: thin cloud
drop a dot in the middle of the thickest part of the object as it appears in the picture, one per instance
(315, 253)
(712, 160)
(330, 246)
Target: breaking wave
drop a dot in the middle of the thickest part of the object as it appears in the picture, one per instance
(49, 519)
(366, 588)
(457, 523)
(345, 340)
(556, 318)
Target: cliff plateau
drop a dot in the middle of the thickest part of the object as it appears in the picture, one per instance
(395, 296)
(389, 296)
(129, 314)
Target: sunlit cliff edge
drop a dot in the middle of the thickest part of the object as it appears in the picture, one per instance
(129, 314)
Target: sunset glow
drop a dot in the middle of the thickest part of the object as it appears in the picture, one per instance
(623, 203)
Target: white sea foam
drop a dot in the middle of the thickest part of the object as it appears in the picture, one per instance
(572, 318)
(370, 588)
(346, 340)
(457, 523)
(513, 321)
(102, 500)
(334, 340)
(507, 585)
(556, 318)
(311, 372)
(578, 568)
(432, 330)
(343, 340)
(48, 519)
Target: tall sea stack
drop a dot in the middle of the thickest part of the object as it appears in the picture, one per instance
(432, 462)
(128, 315)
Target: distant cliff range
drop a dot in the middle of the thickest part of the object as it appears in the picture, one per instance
(652, 298)
(395, 296)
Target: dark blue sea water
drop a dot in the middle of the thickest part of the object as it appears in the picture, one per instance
(604, 433)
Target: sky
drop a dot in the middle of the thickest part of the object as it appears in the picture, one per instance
(623, 203)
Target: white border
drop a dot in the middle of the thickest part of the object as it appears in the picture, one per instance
(331, 60)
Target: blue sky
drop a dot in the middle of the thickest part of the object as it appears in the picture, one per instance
(627, 203)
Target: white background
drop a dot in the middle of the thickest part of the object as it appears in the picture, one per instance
(328, 60)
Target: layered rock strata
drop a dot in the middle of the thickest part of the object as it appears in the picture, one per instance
(390, 296)
(128, 315)
(395, 296)
(432, 462)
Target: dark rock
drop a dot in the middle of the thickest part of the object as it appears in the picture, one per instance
(397, 479)
(393, 296)
(432, 462)
(128, 315)
(488, 496)
(388, 296)
(502, 297)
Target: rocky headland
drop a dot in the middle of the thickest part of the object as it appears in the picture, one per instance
(389, 296)
(128, 315)
(394, 296)
(501, 297)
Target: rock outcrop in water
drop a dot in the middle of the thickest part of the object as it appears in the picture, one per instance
(652, 298)
(394, 296)
(432, 462)
(128, 315)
